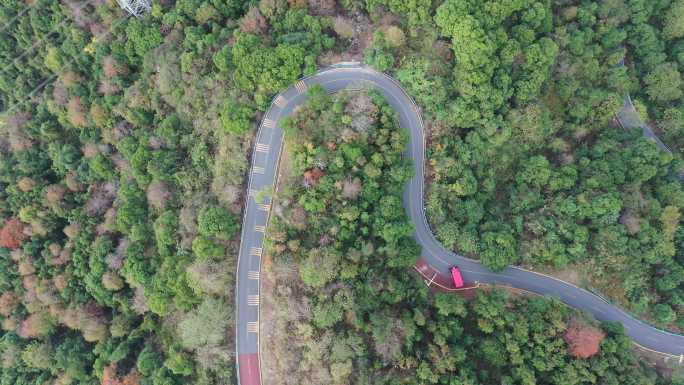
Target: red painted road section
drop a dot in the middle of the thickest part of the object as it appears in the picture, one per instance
(249, 369)
(443, 282)
(427, 271)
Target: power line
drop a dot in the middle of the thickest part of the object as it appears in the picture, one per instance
(41, 40)
(20, 14)
(52, 77)
(30, 94)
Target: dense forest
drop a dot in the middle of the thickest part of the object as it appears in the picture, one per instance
(121, 182)
(345, 310)
(527, 164)
(124, 148)
(656, 59)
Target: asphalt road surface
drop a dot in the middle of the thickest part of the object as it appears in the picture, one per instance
(265, 160)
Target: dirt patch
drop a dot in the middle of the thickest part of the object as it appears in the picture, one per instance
(569, 274)
(282, 308)
(363, 35)
(284, 169)
(266, 317)
(283, 304)
(360, 30)
(581, 276)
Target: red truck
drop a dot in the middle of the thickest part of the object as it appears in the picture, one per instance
(456, 276)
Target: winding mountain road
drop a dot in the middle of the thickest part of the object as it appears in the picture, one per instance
(262, 178)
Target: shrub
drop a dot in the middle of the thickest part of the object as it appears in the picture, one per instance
(148, 361)
(204, 248)
(664, 313)
(209, 278)
(179, 362)
(207, 325)
(8, 302)
(101, 166)
(165, 232)
(158, 194)
(170, 130)
(37, 325)
(111, 281)
(236, 118)
(38, 355)
(216, 221)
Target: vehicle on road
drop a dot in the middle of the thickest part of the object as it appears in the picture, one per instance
(456, 276)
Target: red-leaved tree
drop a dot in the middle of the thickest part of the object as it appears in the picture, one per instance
(12, 234)
(583, 340)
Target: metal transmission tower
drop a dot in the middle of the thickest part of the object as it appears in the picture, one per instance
(136, 8)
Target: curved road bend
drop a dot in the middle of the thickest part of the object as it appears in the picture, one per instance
(263, 174)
